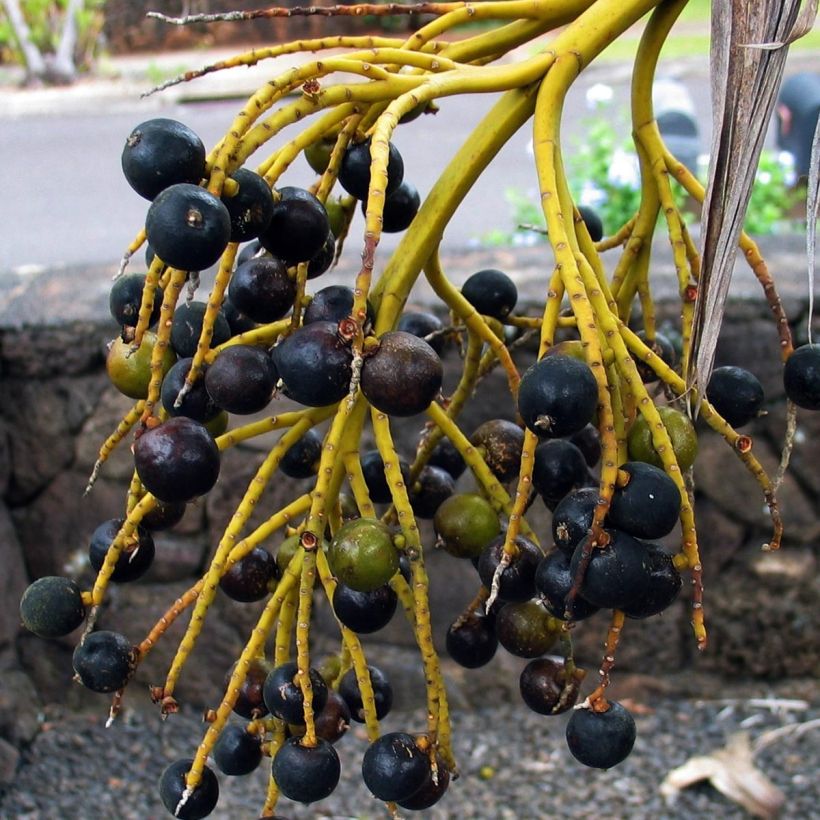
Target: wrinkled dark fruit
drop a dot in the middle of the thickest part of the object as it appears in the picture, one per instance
(801, 377)
(664, 584)
(252, 577)
(302, 459)
(601, 739)
(241, 379)
(402, 376)
(52, 607)
(172, 786)
(393, 767)
(283, 694)
(648, 505)
(262, 290)
(236, 752)
(196, 403)
(501, 443)
(187, 327)
(430, 490)
(553, 582)
(558, 396)
(188, 227)
(298, 226)
(104, 661)
(736, 394)
(136, 557)
(354, 173)
(306, 774)
(516, 582)
(471, 642)
(364, 612)
(382, 693)
(491, 292)
(547, 688)
(160, 153)
(251, 207)
(125, 299)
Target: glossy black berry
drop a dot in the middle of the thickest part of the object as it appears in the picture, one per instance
(251, 578)
(471, 642)
(163, 516)
(178, 460)
(736, 394)
(283, 694)
(593, 222)
(601, 739)
(261, 289)
(302, 459)
(241, 379)
(136, 557)
(251, 207)
(400, 208)
(250, 703)
(104, 661)
(375, 479)
(430, 490)
(236, 752)
(572, 518)
(186, 328)
(160, 153)
(553, 582)
(188, 227)
(306, 774)
(546, 686)
(423, 325)
(646, 503)
(558, 396)
(526, 629)
(321, 261)
(202, 801)
(52, 607)
(431, 791)
(500, 443)
(354, 172)
(125, 299)
(558, 468)
(491, 292)
(332, 304)
(238, 322)
(393, 767)
(446, 456)
(382, 693)
(588, 442)
(402, 376)
(517, 579)
(364, 612)
(196, 403)
(664, 584)
(315, 364)
(298, 227)
(801, 377)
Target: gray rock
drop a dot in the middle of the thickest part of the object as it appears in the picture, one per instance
(9, 761)
(13, 580)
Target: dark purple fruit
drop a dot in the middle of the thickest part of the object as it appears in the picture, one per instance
(163, 516)
(547, 688)
(262, 290)
(648, 505)
(250, 208)
(354, 172)
(238, 322)
(332, 304)
(252, 577)
(664, 584)
(588, 442)
(618, 575)
(400, 208)
(402, 376)
(517, 578)
(601, 739)
(298, 227)
(500, 443)
(202, 801)
(188, 227)
(177, 461)
(526, 629)
(471, 642)
(104, 661)
(736, 394)
(423, 325)
(558, 468)
(364, 612)
(283, 694)
(251, 250)
(250, 703)
(553, 582)
(302, 459)
(660, 346)
(52, 607)
(314, 363)
(236, 752)
(557, 396)
(491, 292)
(306, 774)
(241, 379)
(393, 767)
(572, 518)
(196, 404)
(801, 377)
(321, 261)
(135, 558)
(374, 477)
(160, 153)
(332, 722)
(593, 222)
(382, 693)
(187, 328)
(431, 489)
(125, 299)
(431, 791)
(446, 456)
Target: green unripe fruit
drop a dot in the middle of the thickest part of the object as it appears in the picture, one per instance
(681, 433)
(465, 524)
(131, 374)
(362, 555)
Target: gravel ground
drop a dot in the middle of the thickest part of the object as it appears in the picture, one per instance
(76, 768)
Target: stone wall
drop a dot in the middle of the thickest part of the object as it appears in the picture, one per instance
(56, 408)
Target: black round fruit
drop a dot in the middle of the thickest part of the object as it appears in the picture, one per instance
(593, 222)
(446, 456)
(186, 328)
(241, 379)
(558, 396)
(283, 693)
(302, 459)
(516, 581)
(430, 490)
(393, 767)
(196, 403)
(648, 504)
(251, 578)
(163, 516)
(188, 227)
(553, 582)
(664, 584)
(250, 703)
(382, 693)
(364, 612)
(125, 299)
(251, 207)
(431, 791)
(491, 292)
(321, 261)
(572, 518)
(104, 661)
(306, 773)
(547, 688)
(375, 479)
(423, 325)
(471, 642)
(801, 377)
(354, 172)
(332, 304)
(201, 802)
(400, 208)
(237, 752)
(261, 289)
(736, 394)
(238, 322)
(558, 468)
(160, 153)
(601, 739)
(588, 441)
(178, 460)
(136, 557)
(298, 227)
(52, 607)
